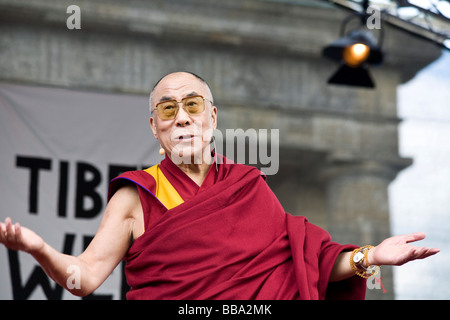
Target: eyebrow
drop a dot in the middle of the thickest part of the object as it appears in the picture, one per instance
(168, 98)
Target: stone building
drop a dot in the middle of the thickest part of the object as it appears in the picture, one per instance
(338, 146)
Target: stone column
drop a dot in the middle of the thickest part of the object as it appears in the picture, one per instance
(358, 210)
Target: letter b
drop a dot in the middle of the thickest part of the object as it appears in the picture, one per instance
(86, 190)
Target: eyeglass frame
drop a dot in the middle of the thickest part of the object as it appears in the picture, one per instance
(181, 101)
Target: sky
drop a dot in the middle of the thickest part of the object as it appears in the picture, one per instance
(420, 195)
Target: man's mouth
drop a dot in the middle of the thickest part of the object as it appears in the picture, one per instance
(186, 137)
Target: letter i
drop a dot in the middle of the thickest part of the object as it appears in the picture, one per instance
(63, 185)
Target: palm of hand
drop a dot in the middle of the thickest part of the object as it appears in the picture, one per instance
(398, 250)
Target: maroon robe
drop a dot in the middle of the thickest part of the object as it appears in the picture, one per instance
(229, 239)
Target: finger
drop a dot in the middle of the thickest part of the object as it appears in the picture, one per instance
(429, 252)
(17, 231)
(2, 231)
(9, 229)
(416, 236)
(419, 252)
(8, 222)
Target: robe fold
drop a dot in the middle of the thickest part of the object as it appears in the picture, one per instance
(228, 239)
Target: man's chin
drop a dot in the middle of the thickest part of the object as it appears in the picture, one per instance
(187, 155)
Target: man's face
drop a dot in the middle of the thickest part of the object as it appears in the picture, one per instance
(186, 135)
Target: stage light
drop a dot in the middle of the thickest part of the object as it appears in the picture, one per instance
(354, 52)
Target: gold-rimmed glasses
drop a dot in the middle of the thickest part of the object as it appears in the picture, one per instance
(167, 110)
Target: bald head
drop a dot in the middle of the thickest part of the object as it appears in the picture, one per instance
(175, 81)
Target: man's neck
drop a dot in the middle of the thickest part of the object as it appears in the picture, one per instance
(197, 171)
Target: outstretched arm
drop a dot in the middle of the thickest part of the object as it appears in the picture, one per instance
(394, 251)
(102, 255)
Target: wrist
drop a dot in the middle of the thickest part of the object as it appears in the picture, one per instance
(39, 251)
(370, 261)
(363, 264)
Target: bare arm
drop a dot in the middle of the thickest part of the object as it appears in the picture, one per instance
(96, 263)
(394, 251)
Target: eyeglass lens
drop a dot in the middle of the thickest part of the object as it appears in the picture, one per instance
(169, 109)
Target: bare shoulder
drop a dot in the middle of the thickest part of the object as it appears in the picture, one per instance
(126, 197)
(125, 206)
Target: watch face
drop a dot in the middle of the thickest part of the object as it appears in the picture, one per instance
(358, 257)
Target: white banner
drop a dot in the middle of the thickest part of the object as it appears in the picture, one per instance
(59, 149)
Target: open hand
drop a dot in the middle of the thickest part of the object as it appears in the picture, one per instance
(397, 251)
(16, 237)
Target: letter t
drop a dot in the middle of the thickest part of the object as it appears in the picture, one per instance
(34, 164)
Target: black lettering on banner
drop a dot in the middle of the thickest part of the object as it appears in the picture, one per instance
(38, 276)
(115, 170)
(124, 286)
(34, 164)
(86, 189)
(63, 187)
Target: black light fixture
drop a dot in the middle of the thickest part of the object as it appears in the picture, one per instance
(354, 52)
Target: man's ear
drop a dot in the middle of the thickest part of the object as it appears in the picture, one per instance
(214, 117)
(153, 126)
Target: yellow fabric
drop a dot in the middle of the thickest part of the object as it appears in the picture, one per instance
(165, 192)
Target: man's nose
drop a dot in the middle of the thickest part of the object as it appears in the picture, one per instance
(182, 119)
